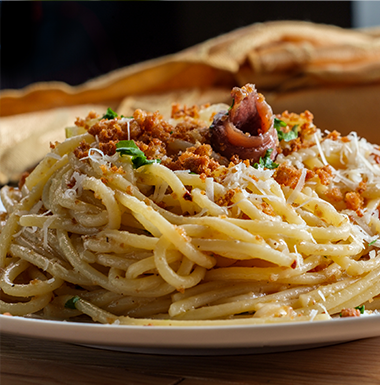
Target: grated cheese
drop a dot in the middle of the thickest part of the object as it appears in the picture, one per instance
(323, 158)
(372, 254)
(210, 188)
(45, 230)
(299, 187)
(313, 313)
(322, 296)
(128, 121)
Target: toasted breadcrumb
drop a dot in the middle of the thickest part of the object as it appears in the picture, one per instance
(350, 312)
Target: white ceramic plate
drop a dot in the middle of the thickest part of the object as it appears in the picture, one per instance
(198, 340)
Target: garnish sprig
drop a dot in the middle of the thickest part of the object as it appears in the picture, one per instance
(285, 136)
(130, 148)
(266, 162)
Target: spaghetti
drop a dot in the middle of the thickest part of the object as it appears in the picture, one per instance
(140, 221)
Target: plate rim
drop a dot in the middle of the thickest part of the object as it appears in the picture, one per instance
(195, 337)
(202, 338)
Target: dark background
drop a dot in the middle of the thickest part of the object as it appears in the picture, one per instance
(76, 41)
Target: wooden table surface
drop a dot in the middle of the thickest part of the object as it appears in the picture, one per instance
(41, 362)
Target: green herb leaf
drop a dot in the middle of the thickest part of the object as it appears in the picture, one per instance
(285, 136)
(130, 148)
(373, 242)
(110, 114)
(266, 162)
(70, 304)
(230, 108)
(288, 136)
(361, 308)
(278, 123)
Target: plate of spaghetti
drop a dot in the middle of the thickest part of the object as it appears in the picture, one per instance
(223, 225)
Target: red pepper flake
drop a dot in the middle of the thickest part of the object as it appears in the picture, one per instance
(187, 196)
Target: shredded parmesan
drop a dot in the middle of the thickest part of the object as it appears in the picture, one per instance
(160, 191)
(324, 161)
(322, 296)
(210, 189)
(45, 229)
(313, 313)
(323, 308)
(79, 178)
(299, 187)
(372, 254)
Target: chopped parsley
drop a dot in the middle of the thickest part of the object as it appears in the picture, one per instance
(70, 304)
(361, 309)
(110, 114)
(373, 242)
(285, 136)
(233, 103)
(266, 162)
(129, 147)
(278, 123)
